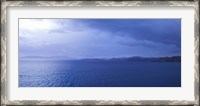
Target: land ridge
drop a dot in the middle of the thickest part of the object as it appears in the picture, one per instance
(133, 58)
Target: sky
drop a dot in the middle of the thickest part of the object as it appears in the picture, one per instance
(99, 38)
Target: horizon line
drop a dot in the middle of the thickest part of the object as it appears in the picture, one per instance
(99, 57)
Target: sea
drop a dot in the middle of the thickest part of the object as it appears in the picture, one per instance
(98, 73)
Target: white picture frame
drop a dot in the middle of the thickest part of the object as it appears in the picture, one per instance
(6, 23)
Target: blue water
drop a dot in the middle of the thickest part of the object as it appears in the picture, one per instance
(96, 73)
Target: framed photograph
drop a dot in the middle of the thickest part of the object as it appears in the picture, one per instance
(100, 53)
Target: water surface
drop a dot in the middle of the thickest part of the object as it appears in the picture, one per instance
(98, 73)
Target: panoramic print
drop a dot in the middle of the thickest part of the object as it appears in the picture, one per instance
(99, 53)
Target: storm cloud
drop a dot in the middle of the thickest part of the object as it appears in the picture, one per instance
(100, 38)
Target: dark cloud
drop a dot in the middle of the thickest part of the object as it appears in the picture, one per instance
(166, 31)
(103, 38)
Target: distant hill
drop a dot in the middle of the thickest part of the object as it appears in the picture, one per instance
(134, 58)
(168, 59)
(154, 59)
(137, 58)
(43, 57)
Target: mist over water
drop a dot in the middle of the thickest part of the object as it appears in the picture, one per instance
(98, 73)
